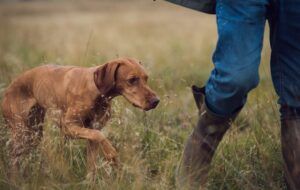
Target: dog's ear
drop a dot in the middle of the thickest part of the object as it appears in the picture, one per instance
(105, 77)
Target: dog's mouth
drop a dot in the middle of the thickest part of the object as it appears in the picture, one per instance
(147, 109)
(143, 108)
(149, 104)
(135, 105)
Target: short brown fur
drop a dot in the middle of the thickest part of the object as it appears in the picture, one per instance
(83, 95)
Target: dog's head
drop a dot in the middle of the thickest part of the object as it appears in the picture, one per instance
(128, 78)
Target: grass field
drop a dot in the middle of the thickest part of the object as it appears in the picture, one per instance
(175, 45)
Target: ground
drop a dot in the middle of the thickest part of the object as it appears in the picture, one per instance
(175, 45)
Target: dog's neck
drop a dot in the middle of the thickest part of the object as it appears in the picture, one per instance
(109, 96)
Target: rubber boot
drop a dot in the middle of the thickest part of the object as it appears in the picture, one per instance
(290, 140)
(193, 170)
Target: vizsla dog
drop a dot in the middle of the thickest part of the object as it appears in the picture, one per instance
(84, 97)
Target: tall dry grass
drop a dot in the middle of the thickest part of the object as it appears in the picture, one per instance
(175, 45)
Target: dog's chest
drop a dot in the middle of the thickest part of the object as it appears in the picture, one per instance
(99, 115)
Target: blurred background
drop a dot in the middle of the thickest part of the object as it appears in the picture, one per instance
(175, 46)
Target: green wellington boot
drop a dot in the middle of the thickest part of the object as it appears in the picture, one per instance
(290, 140)
(201, 145)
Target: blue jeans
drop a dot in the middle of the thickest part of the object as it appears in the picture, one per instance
(237, 56)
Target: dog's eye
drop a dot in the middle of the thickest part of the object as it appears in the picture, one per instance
(133, 80)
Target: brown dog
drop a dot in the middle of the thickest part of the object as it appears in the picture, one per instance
(82, 94)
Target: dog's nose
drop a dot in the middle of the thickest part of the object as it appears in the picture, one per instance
(154, 102)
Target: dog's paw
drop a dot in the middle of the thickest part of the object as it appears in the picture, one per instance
(109, 151)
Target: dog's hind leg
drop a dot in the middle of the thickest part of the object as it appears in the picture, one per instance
(24, 119)
(19, 146)
(35, 122)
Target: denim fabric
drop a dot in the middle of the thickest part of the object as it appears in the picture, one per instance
(237, 56)
(206, 6)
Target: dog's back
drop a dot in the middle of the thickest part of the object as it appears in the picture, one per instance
(48, 85)
(42, 85)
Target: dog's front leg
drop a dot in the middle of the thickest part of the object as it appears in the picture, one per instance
(73, 127)
(96, 136)
(92, 155)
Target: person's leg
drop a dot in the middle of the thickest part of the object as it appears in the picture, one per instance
(285, 67)
(237, 56)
